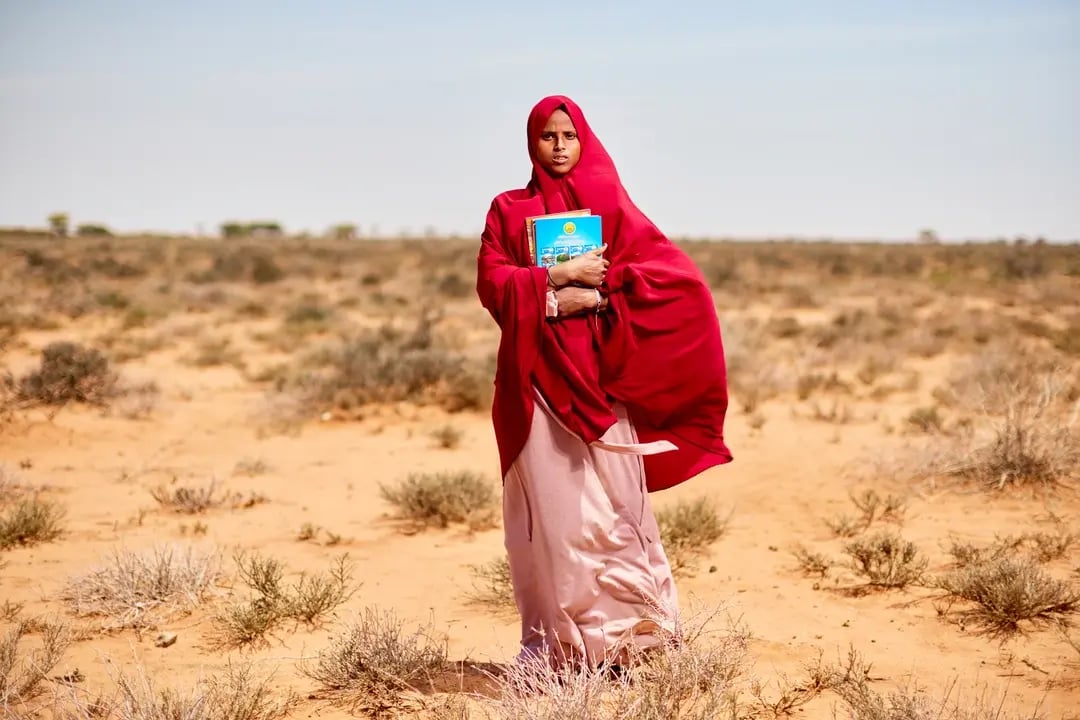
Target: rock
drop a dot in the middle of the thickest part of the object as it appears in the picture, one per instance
(165, 639)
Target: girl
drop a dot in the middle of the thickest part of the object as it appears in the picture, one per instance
(610, 384)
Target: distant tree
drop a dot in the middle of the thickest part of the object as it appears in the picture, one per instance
(265, 229)
(58, 224)
(344, 231)
(260, 229)
(928, 237)
(92, 230)
(233, 230)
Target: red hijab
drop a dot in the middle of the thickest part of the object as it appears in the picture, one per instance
(657, 348)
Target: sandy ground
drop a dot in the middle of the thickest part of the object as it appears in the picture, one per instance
(790, 473)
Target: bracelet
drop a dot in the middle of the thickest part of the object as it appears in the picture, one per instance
(599, 299)
(551, 283)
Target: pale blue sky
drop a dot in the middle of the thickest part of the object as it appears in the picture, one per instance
(847, 119)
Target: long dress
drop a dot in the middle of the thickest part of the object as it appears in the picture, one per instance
(587, 565)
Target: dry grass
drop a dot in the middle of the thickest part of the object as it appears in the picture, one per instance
(687, 529)
(389, 365)
(1007, 592)
(69, 372)
(142, 590)
(187, 499)
(850, 680)
(30, 521)
(308, 599)
(22, 674)
(1030, 444)
(812, 563)
(886, 560)
(375, 661)
(439, 499)
(693, 674)
(492, 585)
(230, 693)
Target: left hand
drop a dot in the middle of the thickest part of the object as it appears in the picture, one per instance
(574, 300)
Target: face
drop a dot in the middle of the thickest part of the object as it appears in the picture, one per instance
(558, 149)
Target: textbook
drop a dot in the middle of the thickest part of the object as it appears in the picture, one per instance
(559, 237)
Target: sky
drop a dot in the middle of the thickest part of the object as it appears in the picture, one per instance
(801, 118)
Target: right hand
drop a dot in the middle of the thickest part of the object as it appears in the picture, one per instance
(587, 269)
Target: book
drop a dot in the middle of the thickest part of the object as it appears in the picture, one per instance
(559, 237)
(529, 228)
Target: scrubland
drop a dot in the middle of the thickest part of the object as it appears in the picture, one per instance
(247, 480)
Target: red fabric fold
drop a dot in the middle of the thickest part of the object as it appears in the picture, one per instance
(657, 348)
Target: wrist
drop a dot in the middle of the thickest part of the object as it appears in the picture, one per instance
(558, 276)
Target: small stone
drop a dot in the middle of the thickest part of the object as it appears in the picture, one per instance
(165, 639)
(713, 568)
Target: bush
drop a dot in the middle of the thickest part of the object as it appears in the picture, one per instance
(391, 365)
(375, 660)
(29, 522)
(21, 678)
(687, 528)
(307, 600)
(886, 560)
(1008, 591)
(442, 498)
(141, 590)
(69, 373)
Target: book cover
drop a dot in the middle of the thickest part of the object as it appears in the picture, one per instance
(559, 239)
(529, 230)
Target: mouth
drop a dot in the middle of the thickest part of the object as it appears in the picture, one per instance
(559, 159)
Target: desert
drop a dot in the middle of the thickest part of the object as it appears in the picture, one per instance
(255, 477)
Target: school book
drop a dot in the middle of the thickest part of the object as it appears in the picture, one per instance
(529, 234)
(560, 237)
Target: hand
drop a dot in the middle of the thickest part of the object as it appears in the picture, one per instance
(587, 269)
(574, 300)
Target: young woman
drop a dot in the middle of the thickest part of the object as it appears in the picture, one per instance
(610, 384)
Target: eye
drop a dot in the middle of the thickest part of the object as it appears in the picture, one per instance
(547, 136)
(571, 136)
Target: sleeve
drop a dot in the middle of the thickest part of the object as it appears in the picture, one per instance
(516, 297)
(507, 289)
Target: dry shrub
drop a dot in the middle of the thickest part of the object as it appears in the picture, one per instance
(447, 437)
(492, 585)
(438, 499)
(1030, 443)
(390, 365)
(374, 661)
(1042, 547)
(188, 500)
(851, 680)
(143, 590)
(232, 693)
(21, 676)
(30, 521)
(69, 372)
(692, 674)
(308, 599)
(810, 562)
(1009, 591)
(1033, 441)
(687, 528)
(886, 560)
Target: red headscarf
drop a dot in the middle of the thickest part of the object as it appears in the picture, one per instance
(657, 348)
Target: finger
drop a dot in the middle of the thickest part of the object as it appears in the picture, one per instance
(599, 251)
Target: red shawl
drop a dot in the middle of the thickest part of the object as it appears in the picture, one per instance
(657, 348)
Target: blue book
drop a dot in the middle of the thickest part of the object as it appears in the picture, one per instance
(559, 238)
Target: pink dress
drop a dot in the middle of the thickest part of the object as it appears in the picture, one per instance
(588, 570)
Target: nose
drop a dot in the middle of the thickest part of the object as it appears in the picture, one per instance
(560, 142)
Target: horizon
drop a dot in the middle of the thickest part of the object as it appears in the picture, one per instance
(839, 122)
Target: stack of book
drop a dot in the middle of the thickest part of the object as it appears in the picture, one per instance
(558, 237)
